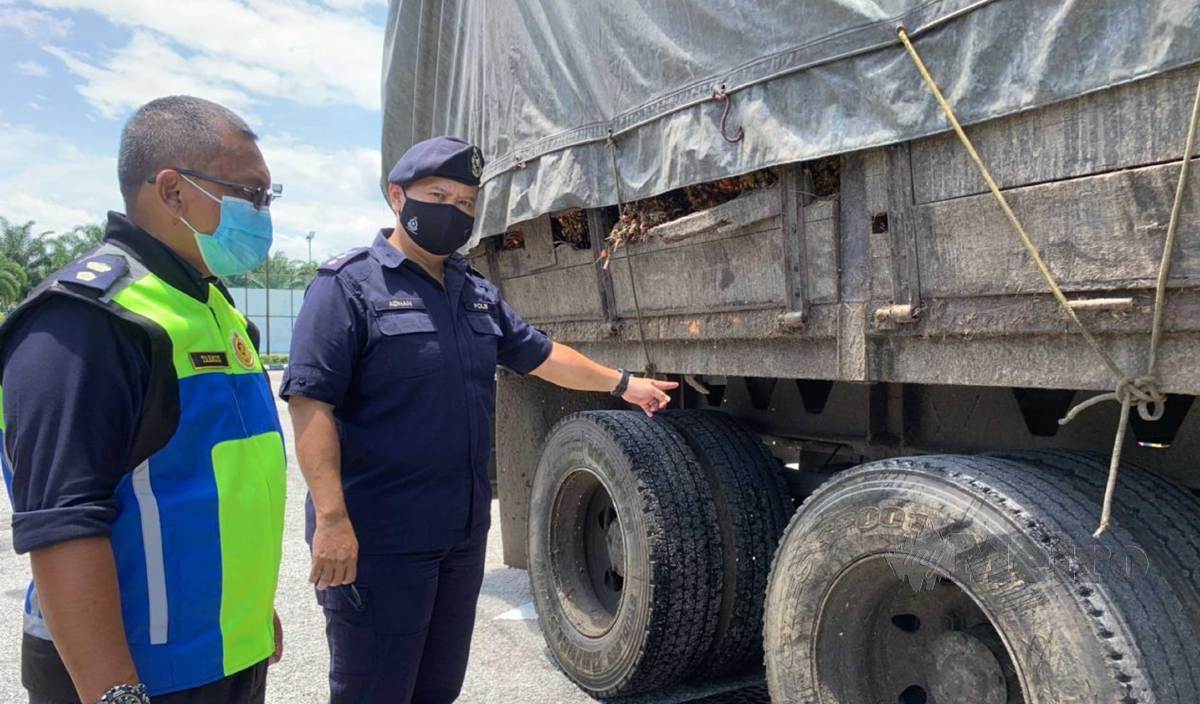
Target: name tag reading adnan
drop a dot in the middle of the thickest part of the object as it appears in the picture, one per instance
(400, 304)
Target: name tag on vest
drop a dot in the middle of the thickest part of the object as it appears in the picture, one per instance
(209, 360)
(400, 304)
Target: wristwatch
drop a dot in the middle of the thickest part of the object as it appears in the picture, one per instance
(126, 694)
(623, 384)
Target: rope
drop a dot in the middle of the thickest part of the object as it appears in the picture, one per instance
(1144, 391)
(637, 308)
(1160, 291)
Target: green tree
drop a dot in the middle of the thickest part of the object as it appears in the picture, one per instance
(62, 249)
(20, 245)
(284, 273)
(12, 283)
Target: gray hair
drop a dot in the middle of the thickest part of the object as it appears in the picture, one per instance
(178, 131)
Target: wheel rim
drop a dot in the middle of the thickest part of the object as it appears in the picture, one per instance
(587, 555)
(893, 629)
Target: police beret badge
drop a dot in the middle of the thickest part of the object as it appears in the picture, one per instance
(476, 162)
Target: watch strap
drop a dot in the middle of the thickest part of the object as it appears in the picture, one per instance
(126, 694)
(622, 385)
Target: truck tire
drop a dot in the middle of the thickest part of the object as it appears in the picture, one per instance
(953, 578)
(624, 552)
(753, 507)
(1163, 517)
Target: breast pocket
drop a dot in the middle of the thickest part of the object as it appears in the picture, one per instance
(408, 344)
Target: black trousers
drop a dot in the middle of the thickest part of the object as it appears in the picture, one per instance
(246, 687)
(403, 634)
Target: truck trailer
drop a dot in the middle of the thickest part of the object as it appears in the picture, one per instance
(887, 247)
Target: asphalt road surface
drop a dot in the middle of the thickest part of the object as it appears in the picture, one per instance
(508, 657)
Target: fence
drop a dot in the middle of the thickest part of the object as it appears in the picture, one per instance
(273, 311)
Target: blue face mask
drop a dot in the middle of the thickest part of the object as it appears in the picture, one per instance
(242, 240)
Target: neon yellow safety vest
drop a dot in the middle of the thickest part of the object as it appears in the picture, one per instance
(199, 529)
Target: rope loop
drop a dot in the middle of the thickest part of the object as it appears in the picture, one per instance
(1144, 391)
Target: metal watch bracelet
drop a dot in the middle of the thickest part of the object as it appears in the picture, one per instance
(126, 694)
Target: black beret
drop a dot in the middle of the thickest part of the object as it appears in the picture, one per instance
(448, 157)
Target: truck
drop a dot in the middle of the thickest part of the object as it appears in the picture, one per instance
(887, 248)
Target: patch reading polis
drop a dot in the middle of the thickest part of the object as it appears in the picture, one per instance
(209, 360)
(241, 350)
(480, 306)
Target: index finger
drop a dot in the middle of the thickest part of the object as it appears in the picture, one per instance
(665, 385)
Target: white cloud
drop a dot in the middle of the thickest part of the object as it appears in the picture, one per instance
(44, 179)
(353, 5)
(146, 68)
(289, 49)
(35, 23)
(333, 193)
(32, 68)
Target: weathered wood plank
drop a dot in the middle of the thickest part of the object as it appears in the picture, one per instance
(713, 234)
(538, 252)
(795, 243)
(1096, 233)
(746, 209)
(1131, 125)
(567, 255)
(822, 266)
(573, 293)
(722, 274)
(1056, 362)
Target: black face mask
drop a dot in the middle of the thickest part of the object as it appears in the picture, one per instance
(437, 228)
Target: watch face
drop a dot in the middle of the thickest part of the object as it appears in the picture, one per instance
(126, 695)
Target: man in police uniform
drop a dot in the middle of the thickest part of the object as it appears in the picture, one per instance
(142, 450)
(391, 390)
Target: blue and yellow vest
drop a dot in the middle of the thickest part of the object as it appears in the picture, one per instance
(199, 529)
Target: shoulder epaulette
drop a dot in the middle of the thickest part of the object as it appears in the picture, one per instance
(97, 272)
(341, 260)
(476, 273)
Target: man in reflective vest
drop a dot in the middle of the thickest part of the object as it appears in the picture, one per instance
(142, 449)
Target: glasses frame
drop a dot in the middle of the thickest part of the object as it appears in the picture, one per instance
(260, 197)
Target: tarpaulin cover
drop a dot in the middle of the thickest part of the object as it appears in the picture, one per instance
(540, 85)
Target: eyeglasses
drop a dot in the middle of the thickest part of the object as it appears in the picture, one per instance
(260, 197)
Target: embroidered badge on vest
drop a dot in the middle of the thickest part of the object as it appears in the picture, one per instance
(242, 351)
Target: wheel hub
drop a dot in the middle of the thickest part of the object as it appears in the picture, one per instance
(884, 637)
(965, 670)
(589, 557)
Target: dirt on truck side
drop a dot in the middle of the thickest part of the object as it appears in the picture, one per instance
(887, 249)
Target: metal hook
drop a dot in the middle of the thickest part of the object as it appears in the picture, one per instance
(721, 96)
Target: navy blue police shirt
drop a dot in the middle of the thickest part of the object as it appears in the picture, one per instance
(409, 368)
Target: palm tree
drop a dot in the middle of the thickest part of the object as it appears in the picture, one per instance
(12, 283)
(284, 273)
(29, 251)
(60, 250)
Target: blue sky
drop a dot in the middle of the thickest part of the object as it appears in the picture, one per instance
(304, 73)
